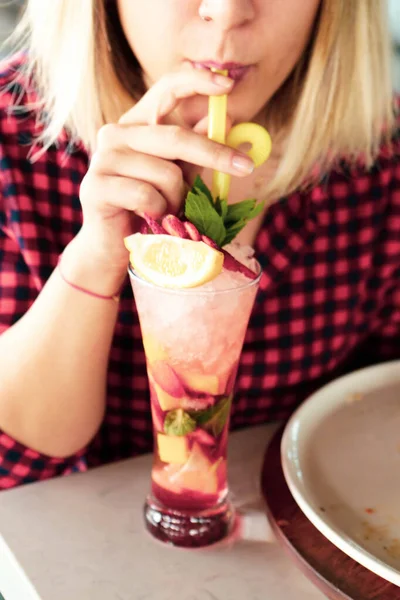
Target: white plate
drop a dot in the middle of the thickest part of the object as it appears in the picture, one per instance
(341, 460)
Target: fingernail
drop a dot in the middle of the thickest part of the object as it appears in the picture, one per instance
(242, 164)
(222, 81)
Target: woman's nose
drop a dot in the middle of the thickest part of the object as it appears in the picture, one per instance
(227, 14)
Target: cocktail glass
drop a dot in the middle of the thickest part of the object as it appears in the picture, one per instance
(193, 339)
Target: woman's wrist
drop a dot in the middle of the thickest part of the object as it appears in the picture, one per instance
(84, 290)
(83, 267)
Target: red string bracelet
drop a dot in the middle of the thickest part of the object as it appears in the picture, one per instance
(115, 297)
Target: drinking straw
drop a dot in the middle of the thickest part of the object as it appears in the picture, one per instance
(241, 133)
(217, 109)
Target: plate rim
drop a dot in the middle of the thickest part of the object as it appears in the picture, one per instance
(335, 534)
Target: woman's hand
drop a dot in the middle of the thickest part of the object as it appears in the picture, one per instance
(133, 171)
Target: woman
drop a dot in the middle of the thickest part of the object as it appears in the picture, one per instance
(109, 114)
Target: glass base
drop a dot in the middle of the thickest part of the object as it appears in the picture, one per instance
(188, 529)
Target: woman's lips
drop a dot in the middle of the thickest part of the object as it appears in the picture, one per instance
(235, 70)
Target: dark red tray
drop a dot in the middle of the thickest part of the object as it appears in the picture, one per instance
(337, 575)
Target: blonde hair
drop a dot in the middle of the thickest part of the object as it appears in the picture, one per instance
(337, 103)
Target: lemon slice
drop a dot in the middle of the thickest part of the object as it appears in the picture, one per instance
(173, 262)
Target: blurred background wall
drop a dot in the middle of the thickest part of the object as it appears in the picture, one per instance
(394, 19)
(9, 10)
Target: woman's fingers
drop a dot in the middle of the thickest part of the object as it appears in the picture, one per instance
(137, 166)
(202, 126)
(117, 193)
(172, 142)
(164, 175)
(163, 97)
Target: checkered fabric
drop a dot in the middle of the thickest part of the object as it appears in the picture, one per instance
(329, 300)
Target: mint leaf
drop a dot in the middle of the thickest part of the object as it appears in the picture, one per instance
(204, 216)
(234, 222)
(239, 210)
(233, 230)
(256, 211)
(178, 422)
(213, 419)
(221, 207)
(218, 220)
(201, 186)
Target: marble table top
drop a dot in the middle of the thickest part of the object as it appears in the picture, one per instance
(82, 537)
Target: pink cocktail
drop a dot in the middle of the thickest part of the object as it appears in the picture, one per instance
(192, 339)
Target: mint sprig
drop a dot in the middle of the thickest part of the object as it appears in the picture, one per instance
(201, 212)
(221, 206)
(178, 422)
(213, 419)
(218, 220)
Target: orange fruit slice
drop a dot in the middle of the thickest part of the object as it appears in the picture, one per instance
(173, 262)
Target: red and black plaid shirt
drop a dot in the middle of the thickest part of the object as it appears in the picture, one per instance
(329, 300)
